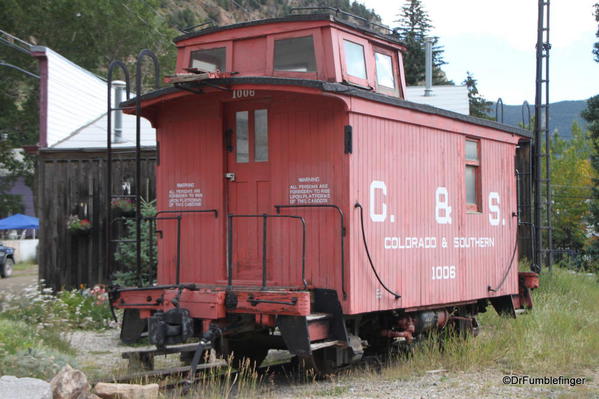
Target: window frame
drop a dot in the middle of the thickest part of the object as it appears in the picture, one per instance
(228, 45)
(368, 60)
(394, 65)
(477, 206)
(318, 56)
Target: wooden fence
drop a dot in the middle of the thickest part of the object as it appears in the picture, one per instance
(74, 183)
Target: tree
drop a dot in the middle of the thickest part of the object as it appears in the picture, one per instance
(596, 46)
(591, 115)
(414, 27)
(91, 34)
(571, 177)
(479, 106)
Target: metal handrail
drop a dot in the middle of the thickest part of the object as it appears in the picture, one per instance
(138, 86)
(264, 217)
(343, 234)
(497, 104)
(178, 218)
(113, 65)
(340, 11)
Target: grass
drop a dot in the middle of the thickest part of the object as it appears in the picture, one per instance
(558, 336)
(21, 266)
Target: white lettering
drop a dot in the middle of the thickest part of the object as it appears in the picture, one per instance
(443, 272)
(494, 211)
(374, 186)
(442, 208)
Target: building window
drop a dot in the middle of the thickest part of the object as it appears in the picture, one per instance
(472, 175)
(354, 59)
(295, 55)
(210, 60)
(384, 70)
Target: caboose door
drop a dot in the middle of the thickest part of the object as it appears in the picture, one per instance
(248, 186)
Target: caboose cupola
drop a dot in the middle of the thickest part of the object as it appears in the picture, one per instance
(309, 47)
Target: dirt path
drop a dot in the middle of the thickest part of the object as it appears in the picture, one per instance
(20, 279)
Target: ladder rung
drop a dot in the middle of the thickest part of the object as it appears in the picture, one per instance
(123, 240)
(123, 196)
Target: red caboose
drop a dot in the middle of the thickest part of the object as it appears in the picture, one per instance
(318, 208)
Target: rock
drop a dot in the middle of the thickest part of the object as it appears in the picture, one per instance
(126, 391)
(24, 388)
(69, 383)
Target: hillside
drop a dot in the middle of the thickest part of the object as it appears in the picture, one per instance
(561, 115)
(185, 13)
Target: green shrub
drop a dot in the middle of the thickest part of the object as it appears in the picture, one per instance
(35, 363)
(126, 253)
(82, 309)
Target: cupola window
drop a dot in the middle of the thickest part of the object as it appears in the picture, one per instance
(354, 59)
(209, 60)
(295, 55)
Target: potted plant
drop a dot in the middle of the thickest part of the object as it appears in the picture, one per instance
(75, 225)
(123, 207)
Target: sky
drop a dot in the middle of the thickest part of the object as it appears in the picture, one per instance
(495, 41)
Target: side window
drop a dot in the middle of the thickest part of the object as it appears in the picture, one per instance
(295, 55)
(209, 60)
(472, 175)
(261, 133)
(354, 59)
(384, 70)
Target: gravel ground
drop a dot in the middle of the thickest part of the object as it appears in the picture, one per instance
(99, 354)
(19, 280)
(484, 385)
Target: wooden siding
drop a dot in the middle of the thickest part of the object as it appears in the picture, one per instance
(67, 179)
(414, 156)
(305, 141)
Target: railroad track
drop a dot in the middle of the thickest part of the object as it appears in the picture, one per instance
(173, 378)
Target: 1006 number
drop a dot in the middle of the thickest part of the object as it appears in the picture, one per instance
(443, 272)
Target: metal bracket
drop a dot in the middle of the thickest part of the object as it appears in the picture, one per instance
(255, 302)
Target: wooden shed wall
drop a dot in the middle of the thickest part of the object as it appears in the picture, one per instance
(67, 181)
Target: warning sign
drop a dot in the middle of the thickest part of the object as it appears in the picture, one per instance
(309, 190)
(185, 195)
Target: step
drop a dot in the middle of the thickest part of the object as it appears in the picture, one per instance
(318, 316)
(326, 344)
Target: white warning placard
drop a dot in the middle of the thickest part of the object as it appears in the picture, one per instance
(309, 190)
(185, 195)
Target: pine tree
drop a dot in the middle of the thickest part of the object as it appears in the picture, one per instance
(596, 46)
(591, 115)
(414, 27)
(479, 106)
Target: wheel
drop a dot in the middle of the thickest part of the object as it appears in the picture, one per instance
(133, 326)
(6, 269)
(248, 349)
(245, 353)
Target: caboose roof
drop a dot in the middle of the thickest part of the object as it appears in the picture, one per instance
(292, 18)
(327, 87)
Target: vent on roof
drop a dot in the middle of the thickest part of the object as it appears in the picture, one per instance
(119, 87)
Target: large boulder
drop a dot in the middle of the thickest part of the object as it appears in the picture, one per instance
(24, 388)
(70, 383)
(126, 391)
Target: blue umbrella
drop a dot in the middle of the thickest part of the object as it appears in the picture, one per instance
(18, 221)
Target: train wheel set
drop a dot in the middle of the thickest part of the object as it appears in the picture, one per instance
(305, 205)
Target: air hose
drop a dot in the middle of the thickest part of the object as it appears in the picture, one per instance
(507, 272)
(396, 295)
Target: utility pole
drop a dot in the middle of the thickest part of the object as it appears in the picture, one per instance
(542, 136)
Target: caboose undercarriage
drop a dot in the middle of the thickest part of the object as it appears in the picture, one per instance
(241, 323)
